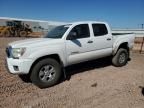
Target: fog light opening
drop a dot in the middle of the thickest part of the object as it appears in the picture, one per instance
(16, 68)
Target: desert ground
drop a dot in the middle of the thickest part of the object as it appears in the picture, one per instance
(93, 84)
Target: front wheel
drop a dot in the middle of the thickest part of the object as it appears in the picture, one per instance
(121, 57)
(46, 73)
(6, 33)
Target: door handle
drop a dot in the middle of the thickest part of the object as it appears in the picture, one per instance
(108, 39)
(90, 41)
(76, 52)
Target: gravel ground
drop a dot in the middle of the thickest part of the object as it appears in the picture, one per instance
(95, 84)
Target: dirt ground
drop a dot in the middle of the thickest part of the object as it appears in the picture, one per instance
(94, 84)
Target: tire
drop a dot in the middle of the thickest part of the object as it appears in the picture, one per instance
(6, 33)
(23, 34)
(1, 34)
(46, 73)
(121, 57)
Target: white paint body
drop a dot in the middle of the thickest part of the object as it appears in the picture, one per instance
(69, 51)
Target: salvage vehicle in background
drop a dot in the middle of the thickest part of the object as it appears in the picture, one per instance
(15, 28)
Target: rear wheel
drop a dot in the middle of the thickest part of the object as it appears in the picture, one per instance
(46, 73)
(121, 57)
(23, 34)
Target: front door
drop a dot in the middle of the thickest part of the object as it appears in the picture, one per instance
(78, 47)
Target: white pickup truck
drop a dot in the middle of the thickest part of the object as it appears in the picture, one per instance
(44, 59)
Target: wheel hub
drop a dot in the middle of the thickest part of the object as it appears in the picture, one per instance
(122, 58)
(47, 73)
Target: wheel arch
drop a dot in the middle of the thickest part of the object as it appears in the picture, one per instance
(124, 45)
(53, 56)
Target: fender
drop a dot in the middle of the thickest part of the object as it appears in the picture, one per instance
(117, 44)
(50, 51)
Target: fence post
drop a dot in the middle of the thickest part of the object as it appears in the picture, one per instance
(142, 45)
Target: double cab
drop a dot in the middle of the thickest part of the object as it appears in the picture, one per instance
(43, 60)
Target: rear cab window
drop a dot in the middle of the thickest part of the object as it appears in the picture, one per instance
(99, 29)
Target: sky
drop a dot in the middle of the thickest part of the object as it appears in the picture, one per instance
(118, 13)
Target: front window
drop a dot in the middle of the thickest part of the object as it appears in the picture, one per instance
(82, 31)
(57, 32)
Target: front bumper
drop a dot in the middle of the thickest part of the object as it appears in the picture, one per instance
(18, 66)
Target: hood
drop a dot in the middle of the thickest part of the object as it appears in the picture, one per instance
(33, 42)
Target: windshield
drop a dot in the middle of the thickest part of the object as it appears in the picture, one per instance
(57, 32)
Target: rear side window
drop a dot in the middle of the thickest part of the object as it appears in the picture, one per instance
(99, 29)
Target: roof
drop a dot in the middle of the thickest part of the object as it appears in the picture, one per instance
(80, 22)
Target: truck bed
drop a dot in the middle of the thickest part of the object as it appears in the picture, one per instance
(114, 34)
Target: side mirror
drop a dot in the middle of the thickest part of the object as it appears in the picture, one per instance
(72, 36)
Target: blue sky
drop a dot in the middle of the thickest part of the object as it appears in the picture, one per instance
(118, 13)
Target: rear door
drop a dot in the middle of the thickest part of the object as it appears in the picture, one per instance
(102, 39)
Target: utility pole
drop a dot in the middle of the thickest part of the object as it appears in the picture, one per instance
(142, 26)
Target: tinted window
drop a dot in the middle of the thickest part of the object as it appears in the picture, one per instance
(82, 31)
(57, 32)
(99, 29)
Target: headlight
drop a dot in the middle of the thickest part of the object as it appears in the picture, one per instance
(18, 52)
